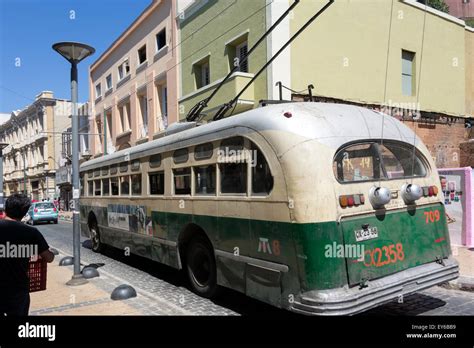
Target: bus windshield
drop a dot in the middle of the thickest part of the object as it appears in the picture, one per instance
(370, 161)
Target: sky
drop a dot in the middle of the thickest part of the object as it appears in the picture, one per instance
(28, 29)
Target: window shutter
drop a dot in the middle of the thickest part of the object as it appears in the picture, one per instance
(242, 52)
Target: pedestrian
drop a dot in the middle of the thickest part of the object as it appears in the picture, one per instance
(27, 242)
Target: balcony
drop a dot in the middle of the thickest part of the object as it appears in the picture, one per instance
(230, 89)
(39, 137)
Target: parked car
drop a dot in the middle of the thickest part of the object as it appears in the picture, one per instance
(42, 212)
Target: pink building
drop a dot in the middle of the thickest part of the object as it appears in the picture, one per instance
(463, 9)
(134, 83)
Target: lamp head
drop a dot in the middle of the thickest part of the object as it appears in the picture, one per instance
(74, 52)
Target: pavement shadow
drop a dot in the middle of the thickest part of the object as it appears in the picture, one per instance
(416, 304)
(227, 298)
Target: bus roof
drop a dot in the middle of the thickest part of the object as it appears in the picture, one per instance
(332, 125)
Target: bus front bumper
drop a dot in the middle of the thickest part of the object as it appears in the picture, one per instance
(348, 301)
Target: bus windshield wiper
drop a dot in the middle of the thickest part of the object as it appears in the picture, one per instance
(196, 110)
(227, 106)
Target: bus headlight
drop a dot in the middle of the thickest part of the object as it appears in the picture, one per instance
(379, 196)
(411, 193)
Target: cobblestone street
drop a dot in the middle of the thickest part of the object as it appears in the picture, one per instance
(164, 291)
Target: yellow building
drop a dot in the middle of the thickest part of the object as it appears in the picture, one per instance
(397, 55)
(377, 52)
(32, 157)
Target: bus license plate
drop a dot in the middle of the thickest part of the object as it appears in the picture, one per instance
(369, 233)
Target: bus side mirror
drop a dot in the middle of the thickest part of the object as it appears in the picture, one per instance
(379, 196)
(411, 193)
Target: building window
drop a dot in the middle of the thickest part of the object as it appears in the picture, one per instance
(161, 40)
(137, 185)
(164, 104)
(109, 81)
(98, 91)
(182, 181)
(205, 180)
(157, 183)
(125, 121)
(408, 73)
(123, 70)
(143, 127)
(241, 52)
(202, 73)
(205, 74)
(142, 55)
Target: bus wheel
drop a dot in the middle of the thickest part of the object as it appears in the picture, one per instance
(97, 245)
(201, 267)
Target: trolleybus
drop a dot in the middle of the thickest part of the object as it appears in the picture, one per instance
(305, 206)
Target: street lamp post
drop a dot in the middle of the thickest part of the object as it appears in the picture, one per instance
(46, 174)
(24, 171)
(74, 53)
(2, 146)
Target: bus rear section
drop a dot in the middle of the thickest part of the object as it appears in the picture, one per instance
(392, 225)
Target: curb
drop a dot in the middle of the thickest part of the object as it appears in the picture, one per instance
(463, 283)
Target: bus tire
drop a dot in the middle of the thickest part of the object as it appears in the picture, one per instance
(201, 267)
(97, 245)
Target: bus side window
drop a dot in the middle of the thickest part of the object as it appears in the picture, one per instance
(137, 185)
(157, 183)
(124, 185)
(233, 178)
(182, 181)
(115, 186)
(90, 188)
(262, 179)
(105, 187)
(205, 180)
(97, 188)
(81, 183)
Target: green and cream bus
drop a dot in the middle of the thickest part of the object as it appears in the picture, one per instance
(304, 206)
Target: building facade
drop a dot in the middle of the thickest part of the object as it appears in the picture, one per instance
(32, 158)
(64, 172)
(133, 84)
(463, 9)
(214, 35)
(399, 56)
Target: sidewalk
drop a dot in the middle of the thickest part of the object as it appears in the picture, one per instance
(93, 298)
(89, 299)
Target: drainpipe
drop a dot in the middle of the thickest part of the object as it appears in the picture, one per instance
(105, 133)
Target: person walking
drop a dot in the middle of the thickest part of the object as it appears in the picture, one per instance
(14, 281)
